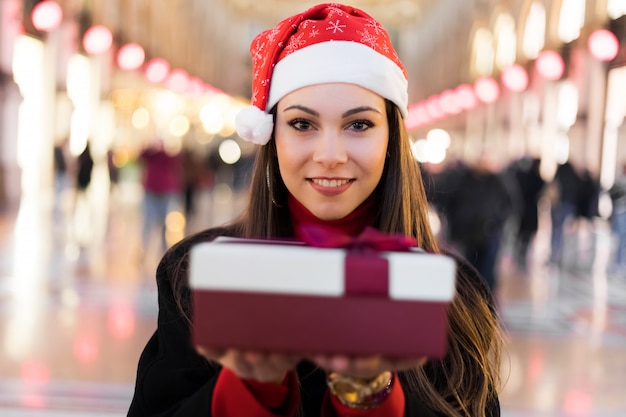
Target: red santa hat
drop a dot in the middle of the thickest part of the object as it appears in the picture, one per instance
(328, 43)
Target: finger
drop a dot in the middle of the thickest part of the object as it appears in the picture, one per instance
(339, 363)
(263, 369)
(283, 361)
(254, 358)
(236, 362)
(367, 363)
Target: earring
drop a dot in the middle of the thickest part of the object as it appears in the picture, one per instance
(269, 184)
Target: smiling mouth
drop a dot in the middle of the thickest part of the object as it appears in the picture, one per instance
(330, 183)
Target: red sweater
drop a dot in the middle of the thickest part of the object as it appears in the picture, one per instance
(236, 397)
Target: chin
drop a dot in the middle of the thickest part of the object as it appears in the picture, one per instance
(331, 216)
(331, 213)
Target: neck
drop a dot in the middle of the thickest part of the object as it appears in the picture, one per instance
(351, 225)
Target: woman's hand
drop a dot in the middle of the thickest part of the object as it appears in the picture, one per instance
(366, 366)
(247, 364)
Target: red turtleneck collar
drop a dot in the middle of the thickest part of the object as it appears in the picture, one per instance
(351, 225)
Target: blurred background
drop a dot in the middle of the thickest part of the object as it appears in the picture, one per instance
(117, 140)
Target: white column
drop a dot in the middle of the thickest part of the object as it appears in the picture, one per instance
(549, 129)
(33, 74)
(596, 114)
(10, 99)
(615, 112)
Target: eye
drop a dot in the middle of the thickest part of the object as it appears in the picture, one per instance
(360, 125)
(301, 124)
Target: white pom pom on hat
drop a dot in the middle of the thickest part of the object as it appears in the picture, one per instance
(328, 43)
(254, 125)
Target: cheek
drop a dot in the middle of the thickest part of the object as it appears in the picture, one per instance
(375, 157)
(290, 158)
(283, 153)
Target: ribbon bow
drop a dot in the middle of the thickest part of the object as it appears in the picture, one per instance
(369, 239)
(365, 272)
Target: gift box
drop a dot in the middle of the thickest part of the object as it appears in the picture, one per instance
(285, 297)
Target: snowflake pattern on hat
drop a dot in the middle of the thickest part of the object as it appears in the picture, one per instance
(319, 24)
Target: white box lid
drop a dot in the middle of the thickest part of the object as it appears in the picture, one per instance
(227, 264)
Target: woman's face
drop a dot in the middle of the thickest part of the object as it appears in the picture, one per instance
(331, 141)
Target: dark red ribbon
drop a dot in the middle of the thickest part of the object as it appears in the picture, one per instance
(366, 272)
(369, 239)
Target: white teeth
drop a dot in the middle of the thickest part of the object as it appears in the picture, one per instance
(330, 183)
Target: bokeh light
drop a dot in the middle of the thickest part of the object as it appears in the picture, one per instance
(47, 16)
(487, 89)
(515, 78)
(550, 65)
(178, 81)
(603, 45)
(229, 151)
(466, 98)
(130, 56)
(98, 39)
(140, 118)
(157, 70)
(179, 125)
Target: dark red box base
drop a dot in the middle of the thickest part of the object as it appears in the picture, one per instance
(313, 324)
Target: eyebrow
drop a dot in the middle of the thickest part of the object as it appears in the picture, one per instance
(346, 114)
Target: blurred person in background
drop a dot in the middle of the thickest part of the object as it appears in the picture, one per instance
(477, 205)
(191, 178)
(530, 185)
(113, 170)
(333, 152)
(162, 180)
(61, 169)
(587, 211)
(618, 220)
(440, 184)
(588, 196)
(564, 197)
(81, 231)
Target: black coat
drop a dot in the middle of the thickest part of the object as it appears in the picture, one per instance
(478, 207)
(531, 186)
(173, 380)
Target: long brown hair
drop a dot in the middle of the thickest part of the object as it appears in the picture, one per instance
(463, 383)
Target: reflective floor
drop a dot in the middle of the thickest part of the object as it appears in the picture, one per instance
(77, 308)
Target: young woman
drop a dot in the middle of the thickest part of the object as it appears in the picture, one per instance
(329, 97)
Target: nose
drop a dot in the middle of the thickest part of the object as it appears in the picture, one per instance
(330, 149)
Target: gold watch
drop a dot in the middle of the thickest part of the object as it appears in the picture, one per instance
(360, 393)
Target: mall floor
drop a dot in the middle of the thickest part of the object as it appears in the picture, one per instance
(76, 309)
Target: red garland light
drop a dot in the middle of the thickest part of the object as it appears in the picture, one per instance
(97, 39)
(603, 45)
(130, 56)
(449, 103)
(433, 108)
(550, 65)
(515, 78)
(157, 70)
(178, 81)
(46, 16)
(196, 86)
(487, 89)
(465, 97)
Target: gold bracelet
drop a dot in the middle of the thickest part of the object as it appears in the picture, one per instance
(360, 393)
